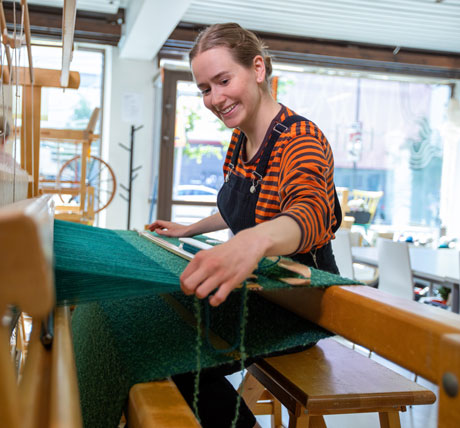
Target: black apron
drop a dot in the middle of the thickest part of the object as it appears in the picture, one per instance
(237, 199)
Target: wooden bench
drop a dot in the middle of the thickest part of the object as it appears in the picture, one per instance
(329, 379)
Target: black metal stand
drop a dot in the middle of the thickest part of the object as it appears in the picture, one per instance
(131, 178)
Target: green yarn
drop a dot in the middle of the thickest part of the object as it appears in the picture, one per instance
(94, 264)
(119, 343)
(242, 349)
(196, 389)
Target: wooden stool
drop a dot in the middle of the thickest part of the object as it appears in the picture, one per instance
(330, 379)
(159, 405)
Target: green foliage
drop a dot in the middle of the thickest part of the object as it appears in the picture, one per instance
(283, 85)
(191, 117)
(198, 151)
(83, 110)
(444, 292)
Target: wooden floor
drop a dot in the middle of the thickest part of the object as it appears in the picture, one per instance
(415, 417)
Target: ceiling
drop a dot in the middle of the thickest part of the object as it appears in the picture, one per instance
(422, 24)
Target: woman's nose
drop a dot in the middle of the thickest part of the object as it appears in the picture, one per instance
(217, 98)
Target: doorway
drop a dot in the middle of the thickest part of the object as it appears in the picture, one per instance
(193, 147)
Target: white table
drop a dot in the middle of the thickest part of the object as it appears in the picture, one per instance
(441, 266)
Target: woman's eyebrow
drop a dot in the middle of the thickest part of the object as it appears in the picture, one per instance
(214, 78)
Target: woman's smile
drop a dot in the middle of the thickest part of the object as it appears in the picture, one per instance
(227, 112)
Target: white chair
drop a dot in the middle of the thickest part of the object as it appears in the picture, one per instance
(341, 247)
(395, 269)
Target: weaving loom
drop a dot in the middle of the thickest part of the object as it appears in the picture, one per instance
(115, 323)
(127, 332)
(435, 332)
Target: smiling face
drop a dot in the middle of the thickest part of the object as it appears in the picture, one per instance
(230, 90)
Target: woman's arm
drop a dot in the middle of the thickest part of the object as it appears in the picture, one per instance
(208, 224)
(226, 266)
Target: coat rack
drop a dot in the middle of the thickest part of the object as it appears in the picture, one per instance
(132, 171)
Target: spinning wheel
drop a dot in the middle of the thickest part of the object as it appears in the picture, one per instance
(99, 175)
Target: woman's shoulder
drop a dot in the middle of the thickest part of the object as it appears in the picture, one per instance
(302, 126)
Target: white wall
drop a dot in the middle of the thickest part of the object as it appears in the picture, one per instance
(129, 88)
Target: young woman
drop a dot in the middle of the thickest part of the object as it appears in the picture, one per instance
(284, 207)
(278, 197)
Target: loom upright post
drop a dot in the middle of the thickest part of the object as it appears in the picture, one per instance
(132, 170)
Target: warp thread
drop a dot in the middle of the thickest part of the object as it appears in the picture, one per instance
(239, 341)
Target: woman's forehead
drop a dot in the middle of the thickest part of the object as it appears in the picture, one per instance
(213, 62)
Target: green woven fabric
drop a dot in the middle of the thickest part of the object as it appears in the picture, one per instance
(94, 264)
(121, 343)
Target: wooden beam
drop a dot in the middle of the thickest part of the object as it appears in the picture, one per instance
(34, 388)
(30, 134)
(90, 27)
(45, 77)
(68, 29)
(9, 394)
(159, 404)
(335, 53)
(25, 11)
(26, 269)
(449, 393)
(65, 399)
(68, 135)
(406, 332)
(4, 30)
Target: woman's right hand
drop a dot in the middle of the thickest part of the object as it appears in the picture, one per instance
(168, 228)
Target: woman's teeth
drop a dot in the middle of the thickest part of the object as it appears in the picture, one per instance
(228, 109)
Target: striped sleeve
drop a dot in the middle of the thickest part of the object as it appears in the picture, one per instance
(304, 189)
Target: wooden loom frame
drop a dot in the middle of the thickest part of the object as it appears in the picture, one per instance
(423, 339)
(47, 394)
(85, 212)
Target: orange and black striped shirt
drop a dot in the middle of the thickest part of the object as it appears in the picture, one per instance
(298, 181)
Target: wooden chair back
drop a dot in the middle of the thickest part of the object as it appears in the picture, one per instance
(370, 198)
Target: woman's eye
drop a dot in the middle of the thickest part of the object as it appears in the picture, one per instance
(205, 91)
(225, 81)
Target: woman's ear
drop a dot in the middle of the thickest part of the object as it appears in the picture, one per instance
(259, 68)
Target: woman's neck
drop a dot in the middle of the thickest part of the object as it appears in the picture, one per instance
(256, 130)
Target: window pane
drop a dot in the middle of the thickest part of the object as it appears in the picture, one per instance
(385, 135)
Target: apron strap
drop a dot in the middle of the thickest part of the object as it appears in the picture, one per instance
(278, 129)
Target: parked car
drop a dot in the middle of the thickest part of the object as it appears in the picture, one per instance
(187, 214)
(195, 192)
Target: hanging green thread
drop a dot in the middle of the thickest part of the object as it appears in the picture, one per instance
(242, 351)
(197, 305)
(208, 323)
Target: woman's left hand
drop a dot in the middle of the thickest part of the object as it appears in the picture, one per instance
(223, 267)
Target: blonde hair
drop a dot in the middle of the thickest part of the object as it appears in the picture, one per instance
(243, 44)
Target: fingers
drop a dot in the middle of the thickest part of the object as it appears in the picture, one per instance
(205, 274)
(166, 228)
(221, 294)
(158, 224)
(198, 272)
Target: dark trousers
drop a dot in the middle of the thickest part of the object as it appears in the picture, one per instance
(216, 399)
